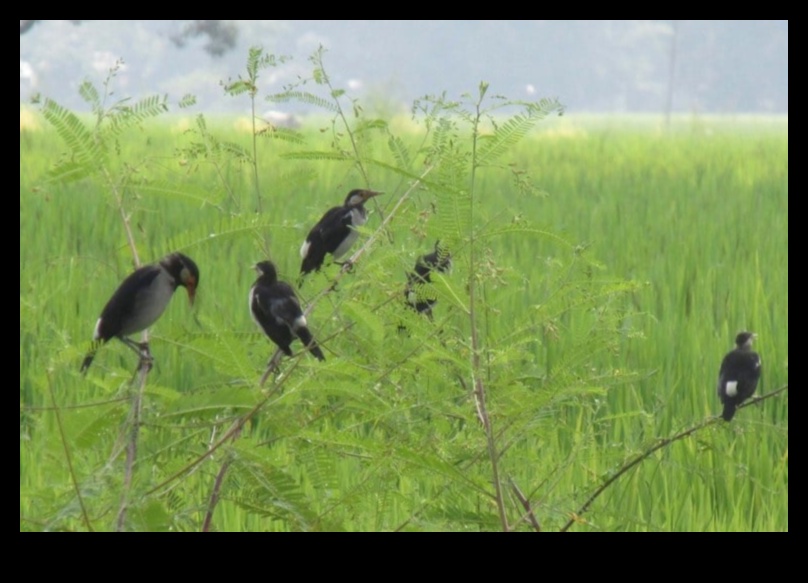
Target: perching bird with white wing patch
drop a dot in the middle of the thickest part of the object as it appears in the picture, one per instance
(276, 310)
(739, 374)
(335, 232)
(140, 300)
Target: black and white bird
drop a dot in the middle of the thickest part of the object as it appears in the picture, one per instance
(141, 299)
(276, 310)
(739, 374)
(415, 293)
(336, 231)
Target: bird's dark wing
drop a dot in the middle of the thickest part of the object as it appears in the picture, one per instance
(283, 305)
(722, 375)
(125, 299)
(285, 308)
(749, 375)
(334, 227)
(742, 367)
(263, 302)
(326, 236)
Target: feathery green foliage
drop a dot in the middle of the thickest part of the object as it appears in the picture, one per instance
(600, 313)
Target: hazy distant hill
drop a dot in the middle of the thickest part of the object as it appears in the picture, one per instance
(720, 66)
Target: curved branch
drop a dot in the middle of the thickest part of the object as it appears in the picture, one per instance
(659, 445)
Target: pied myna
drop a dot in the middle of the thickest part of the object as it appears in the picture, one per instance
(739, 374)
(141, 299)
(276, 309)
(336, 231)
(439, 260)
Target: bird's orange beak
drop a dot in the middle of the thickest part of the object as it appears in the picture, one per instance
(190, 285)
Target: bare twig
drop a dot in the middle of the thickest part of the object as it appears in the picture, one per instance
(144, 366)
(526, 505)
(232, 432)
(476, 365)
(659, 445)
(272, 365)
(214, 495)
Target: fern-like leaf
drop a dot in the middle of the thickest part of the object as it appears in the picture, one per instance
(83, 148)
(399, 151)
(513, 131)
(304, 97)
(283, 134)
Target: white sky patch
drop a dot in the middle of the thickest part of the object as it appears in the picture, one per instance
(530, 89)
(309, 41)
(355, 84)
(103, 61)
(27, 71)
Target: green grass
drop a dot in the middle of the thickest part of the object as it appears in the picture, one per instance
(593, 351)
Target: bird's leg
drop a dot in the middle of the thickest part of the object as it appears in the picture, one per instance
(146, 359)
(272, 366)
(346, 265)
(273, 363)
(143, 352)
(136, 346)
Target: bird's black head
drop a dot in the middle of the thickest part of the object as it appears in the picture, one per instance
(184, 271)
(744, 339)
(358, 196)
(267, 270)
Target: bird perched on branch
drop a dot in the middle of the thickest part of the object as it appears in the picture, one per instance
(439, 260)
(739, 374)
(276, 310)
(336, 231)
(140, 300)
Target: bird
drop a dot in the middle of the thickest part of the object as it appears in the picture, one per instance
(140, 300)
(439, 260)
(739, 374)
(336, 231)
(276, 310)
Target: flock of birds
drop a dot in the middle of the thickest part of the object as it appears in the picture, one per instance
(143, 296)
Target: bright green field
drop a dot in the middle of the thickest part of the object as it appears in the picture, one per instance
(605, 307)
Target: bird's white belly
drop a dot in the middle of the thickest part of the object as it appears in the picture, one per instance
(358, 217)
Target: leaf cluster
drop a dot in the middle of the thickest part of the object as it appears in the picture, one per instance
(411, 423)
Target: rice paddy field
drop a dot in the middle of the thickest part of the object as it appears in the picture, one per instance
(602, 267)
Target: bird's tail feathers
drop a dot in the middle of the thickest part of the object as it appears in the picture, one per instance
(313, 260)
(729, 411)
(307, 339)
(88, 360)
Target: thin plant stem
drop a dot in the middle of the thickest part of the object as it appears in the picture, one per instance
(214, 495)
(476, 366)
(68, 457)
